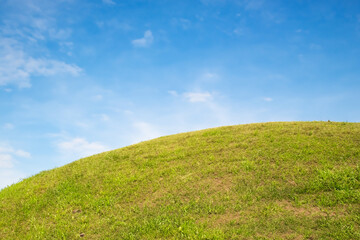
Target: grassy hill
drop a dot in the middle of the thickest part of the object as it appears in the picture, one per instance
(296, 180)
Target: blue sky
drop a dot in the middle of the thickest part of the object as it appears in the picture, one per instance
(80, 77)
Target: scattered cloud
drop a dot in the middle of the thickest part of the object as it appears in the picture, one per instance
(209, 75)
(211, 2)
(114, 24)
(239, 31)
(48, 67)
(8, 155)
(128, 112)
(314, 46)
(173, 93)
(104, 117)
(17, 68)
(8, 126)
(198, 96)
(110, 2)
(146, 41)
(267, 99)
(10, 176)
(79, 147)
(60, 33)
(66, 47)
(253, 4)
(210, 113)
(145, 131)
(6, 160)
(182, 22)
(34, 27)
(22, 153)
(98, 97)
(267, 10)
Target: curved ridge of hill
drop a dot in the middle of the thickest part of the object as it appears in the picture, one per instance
(286, 180)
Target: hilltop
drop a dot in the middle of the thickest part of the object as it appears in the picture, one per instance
(288, 180)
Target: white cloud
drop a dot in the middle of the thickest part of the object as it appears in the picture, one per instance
(98, 97)
(173, 93)
(17, 68)
(145, 131)
(128, 112)
(314, 46)
(60, 33)
(9, 126)
(145, 41)
(253, 4)
(8, 155)
(79, 147)
(210, 2)
(22, 153)
(210, 113)
(6, 161)
(104, 117)
(110, 2)
(198, 96)
(48, 67)
(10, 176)
(268, 99)
(114, 24)
(209, 75)
(239, 31)
(34, 27)
(182, 22)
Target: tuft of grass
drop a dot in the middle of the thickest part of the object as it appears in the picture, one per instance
(285, 180)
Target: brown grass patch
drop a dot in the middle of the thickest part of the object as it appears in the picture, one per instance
(303, 211)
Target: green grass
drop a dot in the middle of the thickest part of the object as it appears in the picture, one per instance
(295, 180)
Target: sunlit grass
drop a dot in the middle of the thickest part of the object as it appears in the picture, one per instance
(297, 180)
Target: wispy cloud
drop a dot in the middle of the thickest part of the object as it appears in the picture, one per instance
(146, 41)
(10, 176)
(267, 10)
(239, 31)
(34, 27)
(6, 160)
(60, 33)
(253, 4)
(8, 126)
(210, 75)
(8, 155)
(104, 117)
(198, 96)
(182, 22)
(267, 99)
(173, 93)
(210, 112)
(17, 68)
(110, 2)
(144, 131)
(76, 148)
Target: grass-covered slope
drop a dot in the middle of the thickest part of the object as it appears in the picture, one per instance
(298, 180)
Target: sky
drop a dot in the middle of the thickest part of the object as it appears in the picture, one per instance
(81, 77)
